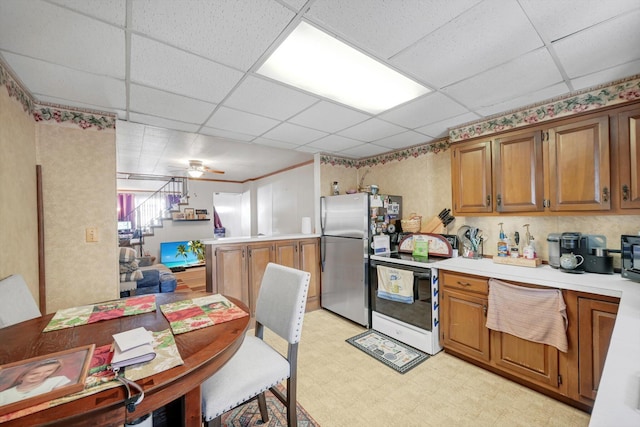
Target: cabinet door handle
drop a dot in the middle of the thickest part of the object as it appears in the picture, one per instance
(625, 192)
(463, 283)
(488, 199)
(499, 200)
(484, 309)
(605, 194)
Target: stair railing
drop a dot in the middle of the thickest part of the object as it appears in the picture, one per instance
(157, 207)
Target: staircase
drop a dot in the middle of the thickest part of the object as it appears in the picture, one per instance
(150, 214)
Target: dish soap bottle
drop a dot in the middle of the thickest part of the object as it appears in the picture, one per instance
(503, 246)
(528, 251)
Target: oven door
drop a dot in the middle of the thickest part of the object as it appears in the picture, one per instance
(418, 313)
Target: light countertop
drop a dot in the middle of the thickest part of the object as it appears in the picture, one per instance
(618, 396)
(256, 239)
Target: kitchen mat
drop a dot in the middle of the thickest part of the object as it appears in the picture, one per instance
(387, 350)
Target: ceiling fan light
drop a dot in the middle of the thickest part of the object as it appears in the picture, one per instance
(194, 173)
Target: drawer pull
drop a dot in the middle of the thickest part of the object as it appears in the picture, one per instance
(464, 283)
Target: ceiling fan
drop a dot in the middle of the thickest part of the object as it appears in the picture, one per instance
(197, 168)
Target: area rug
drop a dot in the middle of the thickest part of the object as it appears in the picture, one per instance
(249, 414)
(389, 351)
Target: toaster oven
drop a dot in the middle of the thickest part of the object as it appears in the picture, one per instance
(630, 256)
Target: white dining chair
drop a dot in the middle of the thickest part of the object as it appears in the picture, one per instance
(257, 367)
(17, 303)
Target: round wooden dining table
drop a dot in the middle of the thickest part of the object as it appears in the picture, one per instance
(203, 351)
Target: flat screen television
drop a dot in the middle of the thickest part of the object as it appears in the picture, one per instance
(172, 257)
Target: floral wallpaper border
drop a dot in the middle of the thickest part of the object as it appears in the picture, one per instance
(617, 92)
(406, 153)
(85, 119)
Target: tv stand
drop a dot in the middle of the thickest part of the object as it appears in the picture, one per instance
(177, 269)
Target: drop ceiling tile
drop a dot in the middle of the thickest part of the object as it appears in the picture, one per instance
(610, 74)
(269, 99)
(54, 34)
(174, 70)
(611, 43)
(129, 129)
(157, 132)
(70, 87)
(234, 33)
(371, 130)
(164, 123)
(296, 4)
(489, 34)
(441, 129)
(154, 102)
(364, 150)
(402, 140)
(535, 97)
(334, 143)
(428, 109)
(217, 148)
(241, 122)
(273, 143)
(508, 81)
(384, 27)
(309, 149)
(112, 11)
(550, 16)
(294, 134)
(328, 117)
(225, 134)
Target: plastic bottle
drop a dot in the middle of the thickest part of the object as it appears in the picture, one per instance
(503, 246)
(336, 189)
(528, 251)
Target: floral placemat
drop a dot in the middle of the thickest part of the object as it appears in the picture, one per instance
(191, 314)
(101, 377)
(76, 316)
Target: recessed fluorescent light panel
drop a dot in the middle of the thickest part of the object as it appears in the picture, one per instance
(314, 61)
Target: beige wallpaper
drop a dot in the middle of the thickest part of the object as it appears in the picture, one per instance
(425, 184)
(79, 187)
(18, 216)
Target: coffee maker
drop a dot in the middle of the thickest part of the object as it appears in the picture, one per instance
(573, 243)
(592, 249)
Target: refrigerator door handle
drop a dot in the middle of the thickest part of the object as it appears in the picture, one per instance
(323, 249)
(323, 216)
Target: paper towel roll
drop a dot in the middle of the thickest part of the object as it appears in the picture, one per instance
(306, 225)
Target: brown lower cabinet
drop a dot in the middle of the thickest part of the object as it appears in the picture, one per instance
(571, 377)
(237, 269)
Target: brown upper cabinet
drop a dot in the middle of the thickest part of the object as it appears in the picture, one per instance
(563, 166)
(629, 158)
(578, 172)
(518, 182)
(471, 177)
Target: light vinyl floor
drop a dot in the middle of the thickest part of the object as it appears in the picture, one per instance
(340, 385)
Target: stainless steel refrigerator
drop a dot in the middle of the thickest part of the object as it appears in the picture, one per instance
(345, 221)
